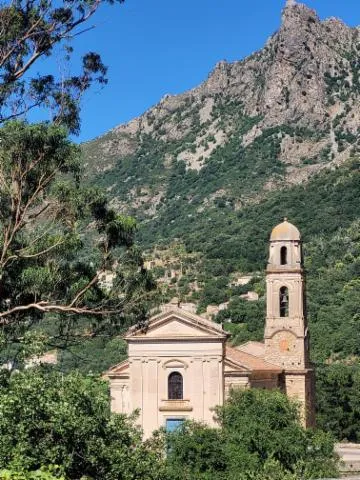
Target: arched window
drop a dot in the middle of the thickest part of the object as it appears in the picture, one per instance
(283, 256)
(284, 301)
(175, 386)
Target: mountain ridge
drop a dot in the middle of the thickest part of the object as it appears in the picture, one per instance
(213, 169)
(283, 83)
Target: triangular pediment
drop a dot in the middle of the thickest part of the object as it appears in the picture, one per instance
(231, 366)
(121, 369)
(177, 323)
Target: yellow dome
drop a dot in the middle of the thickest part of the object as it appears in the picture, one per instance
(285, 231)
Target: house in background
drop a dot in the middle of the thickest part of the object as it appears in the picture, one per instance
(182, 366)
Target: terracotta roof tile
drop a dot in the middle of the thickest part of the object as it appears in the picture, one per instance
(250, 361)
(253, 348)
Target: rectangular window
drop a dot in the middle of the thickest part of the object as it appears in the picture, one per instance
(173, 424)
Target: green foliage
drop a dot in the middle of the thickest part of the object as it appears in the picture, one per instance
(260, 437)
(42, 474)
(333, 291)
(196, 452)
(338, 400)
(31, 32)
(93, 355)
(66, 421)
(244, 320)
(215, 291)
(64, 430)
(50, 258)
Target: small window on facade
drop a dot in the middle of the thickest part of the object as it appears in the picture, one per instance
(175, 386)
(283, 256)
(284, 302)
(173, 424)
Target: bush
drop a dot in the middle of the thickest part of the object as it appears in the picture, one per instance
(66, 421)
(260, 437)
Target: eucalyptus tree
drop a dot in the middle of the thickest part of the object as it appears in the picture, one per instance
(58, 238)
(31, 30)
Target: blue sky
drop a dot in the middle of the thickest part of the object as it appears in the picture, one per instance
(154, 47)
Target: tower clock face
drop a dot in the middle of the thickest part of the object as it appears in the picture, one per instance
(286, 343)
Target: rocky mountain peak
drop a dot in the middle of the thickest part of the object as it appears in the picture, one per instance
(299, 96)
(298, 15)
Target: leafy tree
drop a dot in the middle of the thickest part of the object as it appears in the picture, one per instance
(266, 425)
(66, 421)
(56, 237)
(31, 30)
(338, 400)
(260, 437)
(197, 451)
(51, 260)
(246, 319)
(41, 474)
(94, 355)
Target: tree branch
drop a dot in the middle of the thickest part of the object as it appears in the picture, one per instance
(45, 307)
(43, 252)
(84, 290)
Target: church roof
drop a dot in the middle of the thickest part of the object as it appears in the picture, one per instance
(253, 348)
(175, 323)
(173, 318)
(234, 355)
(119, 369)
(250, 362)
(285, 231)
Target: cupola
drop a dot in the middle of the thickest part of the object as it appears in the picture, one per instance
(285, 247)
(285, 231)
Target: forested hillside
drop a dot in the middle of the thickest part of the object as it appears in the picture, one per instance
(214, 169)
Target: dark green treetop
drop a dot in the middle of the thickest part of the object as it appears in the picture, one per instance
(57, 239)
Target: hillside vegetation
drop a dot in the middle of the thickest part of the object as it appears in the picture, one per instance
(213, 170)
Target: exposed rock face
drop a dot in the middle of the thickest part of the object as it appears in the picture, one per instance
(304, 84)
(285, 81)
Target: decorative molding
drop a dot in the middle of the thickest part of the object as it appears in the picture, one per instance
(280, 330)
(176, 339)
(175, 363)
(278, 270)
(295, 373)
(175, 406)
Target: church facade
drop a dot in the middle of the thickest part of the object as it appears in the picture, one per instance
(181, 366)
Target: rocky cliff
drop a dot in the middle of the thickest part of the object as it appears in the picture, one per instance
(301, 91)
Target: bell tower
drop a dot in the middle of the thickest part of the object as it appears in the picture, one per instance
(286, 332)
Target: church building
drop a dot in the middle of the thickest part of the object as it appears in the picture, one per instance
(182, 365)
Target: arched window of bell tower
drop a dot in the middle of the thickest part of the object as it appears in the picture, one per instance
(283, 256)
(284, 301)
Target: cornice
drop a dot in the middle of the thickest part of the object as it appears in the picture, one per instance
(283, 271)
(177, 339)
(180, 315)
(303, 371)
(237, 373)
